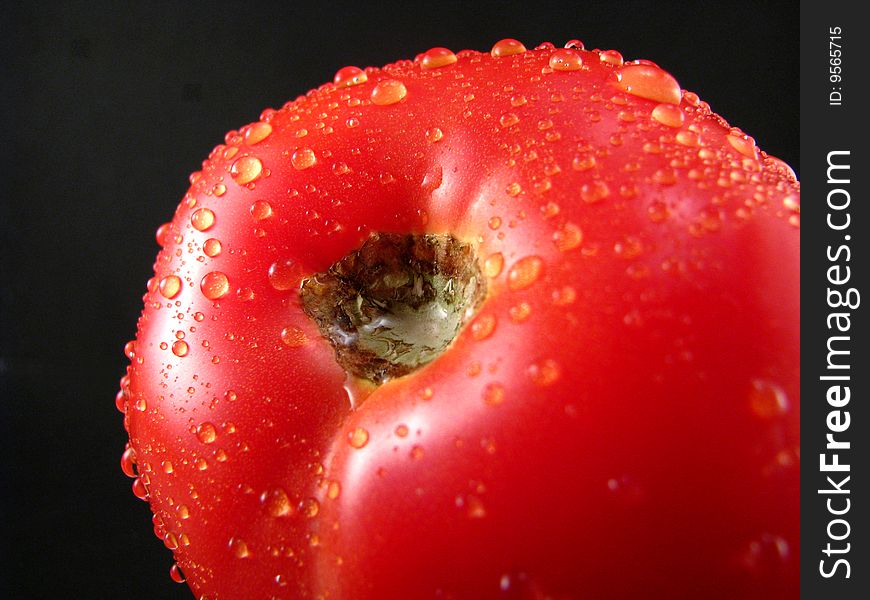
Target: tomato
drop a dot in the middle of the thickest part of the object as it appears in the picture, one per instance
(517, 324)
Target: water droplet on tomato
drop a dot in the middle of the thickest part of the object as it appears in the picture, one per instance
(358, 438)
(206, 433)
(284, 274)
(507, 47)
(611, 57)
(277, 503)
(520, 312)
(257, 132)
(766, 399)
(669, 115)
(434, 134)
(170, 286)
(388, 92)
(545, 372)
(565, 59)
(303, 158)
(175, 573)
(214, 285)
(349, 76)
(246, 169)
(744, 144)
(493, 394)
(568, 237)
(437, 57)
(180, 348)
(594, 191)
(648, 81)
(525, 272)
(493, 264)
(239, 548)
(508, 119)
(483, 326)
(202, 219)
(211, 247)
(128, 462)
(261, 210)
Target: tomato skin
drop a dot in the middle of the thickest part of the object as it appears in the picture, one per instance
(621, 416)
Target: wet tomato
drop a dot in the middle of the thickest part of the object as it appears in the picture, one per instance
(515, 324)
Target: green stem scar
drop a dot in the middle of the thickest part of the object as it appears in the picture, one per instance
(395, 304)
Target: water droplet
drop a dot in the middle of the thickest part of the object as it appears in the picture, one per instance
(525, 272)
(333, 490)
(744, 144)
(309, 507)
(349, 76)
(416, 452)
(658, 211)
(568, 237)
(594, 191)
(180, 348)
(257, 132)
(437, 57)
(545, 372)
(212, 247)
(261, 210)
(239, 548)
(277, 503)
(170, 286)
(434, 134)
(128, 462)
(493, 394)
(665, 177)
(520, 312)
(507, 47)
(483, 326)
(583, 162)
(214, 285)
(767, 400)
(175, 573)
(513, 189)
(611, 57)
(202, 219)
(388, 92)
(648, 81)
(246, 169)
(566, 59)
(206, 433)
(493, 265)
(402, 430)
(432, 179)
(284, 274)
(669, 115)
(293, 337)
(358, 438)
(792, 202)
(508, 119)
(303, 158)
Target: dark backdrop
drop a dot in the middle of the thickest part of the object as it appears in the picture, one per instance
(106, 110)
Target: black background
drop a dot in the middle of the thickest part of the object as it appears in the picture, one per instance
(106, 110)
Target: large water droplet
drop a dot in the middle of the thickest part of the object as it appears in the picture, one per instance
(349, 76)
(246, 169)
(257, 132)
(437, 57)
(388, 92)
(566, 59)
(202, 219)
(525, 272)
(648, 81)
(214, 285)
(170, 286)
(304, 158)
(507, 47)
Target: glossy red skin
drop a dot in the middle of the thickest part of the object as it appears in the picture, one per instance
(652, 462)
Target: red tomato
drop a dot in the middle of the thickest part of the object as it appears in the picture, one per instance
(618, 414)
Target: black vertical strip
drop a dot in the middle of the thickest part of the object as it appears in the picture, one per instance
(835, 543)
